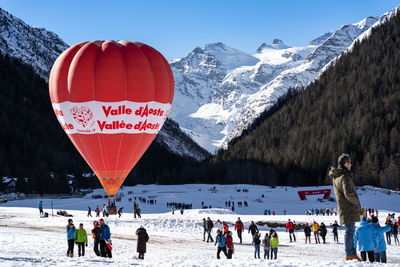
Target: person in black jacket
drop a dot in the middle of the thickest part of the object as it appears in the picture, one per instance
(210, 226)
(253, 229)
(96, 232)
(143, 237)
(307, 233)
(323, 231)
(335, 226)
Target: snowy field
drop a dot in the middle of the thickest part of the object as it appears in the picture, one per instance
(176, 240)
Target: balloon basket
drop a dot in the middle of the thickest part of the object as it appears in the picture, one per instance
(112, 208)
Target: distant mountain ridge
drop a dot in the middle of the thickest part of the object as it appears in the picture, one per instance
(217, 97)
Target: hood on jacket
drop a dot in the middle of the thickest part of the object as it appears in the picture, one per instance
(336, 172)
(364, 220)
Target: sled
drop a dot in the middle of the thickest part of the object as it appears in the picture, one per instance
(109, 245)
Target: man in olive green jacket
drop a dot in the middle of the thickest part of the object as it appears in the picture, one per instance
(348, 204)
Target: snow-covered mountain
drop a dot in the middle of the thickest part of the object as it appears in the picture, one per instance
(39, 48)
(220, 90)
(35, 46)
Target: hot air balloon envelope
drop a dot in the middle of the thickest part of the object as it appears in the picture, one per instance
(111, 98)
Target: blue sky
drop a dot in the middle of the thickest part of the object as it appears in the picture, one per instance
(176, 27)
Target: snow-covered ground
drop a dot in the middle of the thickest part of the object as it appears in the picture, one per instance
(176, 240)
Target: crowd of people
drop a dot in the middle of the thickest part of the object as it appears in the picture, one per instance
(224, 238)
(101, 234)
(322, 211)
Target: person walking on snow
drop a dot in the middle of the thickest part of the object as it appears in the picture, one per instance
(290, 227)
(226, 227)
(257, 242)
(221, 241)
(307, 233)
(142, 239)
(81, 240)
(71, 232)
(96, 233)
(210, 226)
(204, 229)
(97, 210)
(395, 232)
(239, 227)
(348, 204)
(229, 244)
(89, 213)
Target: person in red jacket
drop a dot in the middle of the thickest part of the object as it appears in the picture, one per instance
(290, 227)
(239, 227)
(226, 227)
(229, 244)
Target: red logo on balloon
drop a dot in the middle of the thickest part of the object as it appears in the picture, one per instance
(82, 115)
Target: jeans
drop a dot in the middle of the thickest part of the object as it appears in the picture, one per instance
(275, 250)
(348, 239)
(380, 257)
(256, 251)
(396, 239)
(266, 253)
(316, 235)
(209, 236)
(204, 234)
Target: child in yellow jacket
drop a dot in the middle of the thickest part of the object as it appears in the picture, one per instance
(81, 240)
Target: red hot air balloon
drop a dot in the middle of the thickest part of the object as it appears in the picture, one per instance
(111, 98)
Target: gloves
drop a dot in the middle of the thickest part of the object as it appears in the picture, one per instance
(86, 244)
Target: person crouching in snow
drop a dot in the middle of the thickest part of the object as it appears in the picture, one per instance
(364, 236)
(96, 233)
(229, 244)
(81, 240)
(71, 232)
(266, 245)
(221, 240)
(380, 245)
(142, 239)
(274, 244)
(257, 242)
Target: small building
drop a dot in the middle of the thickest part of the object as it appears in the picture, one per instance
(9, 184)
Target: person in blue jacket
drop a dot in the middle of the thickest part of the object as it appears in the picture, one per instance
(221, 240)
(380, 245)
(105, 237)
(40, 206)
(71, 232)
(364, 236)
